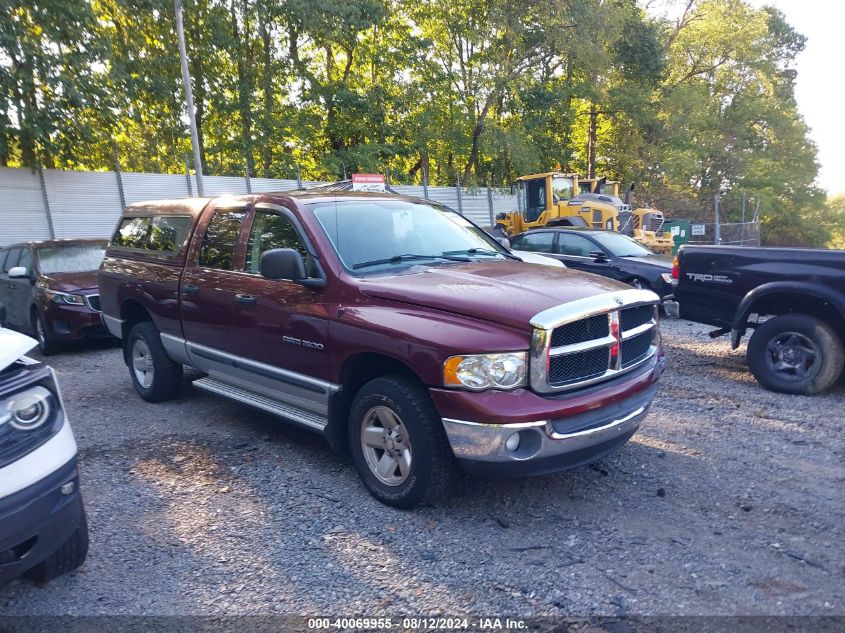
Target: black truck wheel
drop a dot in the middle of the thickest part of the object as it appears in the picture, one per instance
(398, 443)
(795, 353)
(155, 376)
(70, 555)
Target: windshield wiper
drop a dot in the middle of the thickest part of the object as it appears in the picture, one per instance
(408, 256)
(480, 251)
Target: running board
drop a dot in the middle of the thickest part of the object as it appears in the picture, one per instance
(309, 419)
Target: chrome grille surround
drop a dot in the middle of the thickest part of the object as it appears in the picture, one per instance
(611, 304)
(93, 302)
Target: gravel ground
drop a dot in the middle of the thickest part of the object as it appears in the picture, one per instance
(728, 501)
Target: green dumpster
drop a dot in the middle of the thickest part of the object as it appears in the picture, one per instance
(680, 232)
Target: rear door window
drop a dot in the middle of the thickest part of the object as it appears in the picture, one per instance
(221, 239)
(536, 242)
(167, 233)
(132, 233)
(270, 230)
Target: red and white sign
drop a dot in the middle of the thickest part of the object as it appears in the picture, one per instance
(368, 182)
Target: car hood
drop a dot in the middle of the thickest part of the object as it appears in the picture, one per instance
(660, 261)
(69, 282)
(13, 346)
(510, 293)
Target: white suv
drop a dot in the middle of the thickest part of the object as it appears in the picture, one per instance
(43, 530)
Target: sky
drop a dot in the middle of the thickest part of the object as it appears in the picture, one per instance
(820, 87)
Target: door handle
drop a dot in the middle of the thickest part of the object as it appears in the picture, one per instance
(190, 289)
(246, 299)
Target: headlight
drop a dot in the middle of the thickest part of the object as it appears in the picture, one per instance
(28, 410)
(486, 371)
(65, 298)
(667, 278)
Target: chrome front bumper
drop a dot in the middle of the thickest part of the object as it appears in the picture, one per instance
(545, 445)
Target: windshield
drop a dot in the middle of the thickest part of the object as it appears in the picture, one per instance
(70, 259)
(621, 245)
(379, 234)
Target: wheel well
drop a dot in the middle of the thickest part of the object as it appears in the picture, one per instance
(357, 371)
(791, 303)
(132, 312)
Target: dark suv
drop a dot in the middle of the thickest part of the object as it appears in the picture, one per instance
(393, 326)
(50, 288)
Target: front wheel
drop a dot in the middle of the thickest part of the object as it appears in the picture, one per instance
(398, 443)
(46, 345)
(795, 353)
(155, 376)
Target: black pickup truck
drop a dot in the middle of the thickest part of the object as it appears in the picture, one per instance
(793, 299)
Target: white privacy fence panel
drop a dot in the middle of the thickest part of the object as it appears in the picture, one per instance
(83, 204)
(260, 185)
(88, 204)
(140, 187)
(22, 213)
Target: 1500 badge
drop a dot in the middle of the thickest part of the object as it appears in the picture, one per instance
(716, 279)
(302, 342)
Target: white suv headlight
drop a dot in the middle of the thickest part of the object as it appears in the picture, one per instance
(486, 371)
(28, 410)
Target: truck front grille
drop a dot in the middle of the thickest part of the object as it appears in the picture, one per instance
(570, 368)
(592, 339)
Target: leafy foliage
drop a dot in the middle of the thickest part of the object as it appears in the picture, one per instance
(481, 91)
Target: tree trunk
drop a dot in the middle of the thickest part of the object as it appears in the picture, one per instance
(244, 65)
(267, 89)
(591, 141)
(198, 77)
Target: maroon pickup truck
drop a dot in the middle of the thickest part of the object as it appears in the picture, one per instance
(393, 326)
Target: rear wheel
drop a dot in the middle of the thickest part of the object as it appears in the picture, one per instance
(795, 353)
(155, 376)
(398, 443)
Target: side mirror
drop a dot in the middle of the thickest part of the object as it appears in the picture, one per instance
(503, 241)
(282, 263)
(599, 256)
(17, 272)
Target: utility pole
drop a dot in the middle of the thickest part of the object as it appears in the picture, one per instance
(189, 95)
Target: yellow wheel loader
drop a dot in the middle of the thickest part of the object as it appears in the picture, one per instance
(560, 199)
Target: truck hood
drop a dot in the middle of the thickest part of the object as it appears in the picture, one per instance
(70, 282)
(510, 293)
(13, 346)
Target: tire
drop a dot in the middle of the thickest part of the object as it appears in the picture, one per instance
(431, 472)
(71, 555)
(795, 353)
(46, 345)
(156, 377)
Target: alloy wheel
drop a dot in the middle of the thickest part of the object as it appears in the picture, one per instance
(142, 364)
(386, 446)
(792, 356)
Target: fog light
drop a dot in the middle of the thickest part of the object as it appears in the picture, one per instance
(512, 443)
(67, 489)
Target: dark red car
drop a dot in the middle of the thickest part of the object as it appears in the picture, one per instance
(393, 326)
(50, 288)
